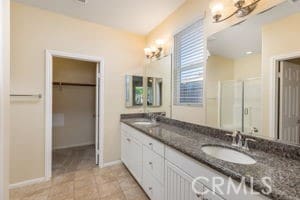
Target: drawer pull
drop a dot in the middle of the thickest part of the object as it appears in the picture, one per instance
(150, 144)
(150, 188)
(129, 140)
(150, 163)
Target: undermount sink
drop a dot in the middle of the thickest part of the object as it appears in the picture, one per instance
(227, 154)
(144, 123)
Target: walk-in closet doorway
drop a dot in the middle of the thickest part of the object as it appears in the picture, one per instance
(74, 112)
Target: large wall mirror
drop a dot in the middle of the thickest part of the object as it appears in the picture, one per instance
(243, 89)
(237, 80)
(159, 74)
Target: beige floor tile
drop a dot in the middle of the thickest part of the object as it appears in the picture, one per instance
(120, 172)
(83, 174)
(85, 181)
(99, 171)
(86, 193)
(105, 178)
(41, 195)
(62, 196)
(118, 196)
(63, 178)
(127, 183)
(64, 188)
(71, 183)
(135, 194)
(108, 189)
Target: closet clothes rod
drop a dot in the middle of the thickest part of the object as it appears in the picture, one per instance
(27, 95)
(74, 84)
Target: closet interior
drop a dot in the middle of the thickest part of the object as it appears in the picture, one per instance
(73, 124)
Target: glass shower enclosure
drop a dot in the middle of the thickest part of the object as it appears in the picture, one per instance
(240, 105)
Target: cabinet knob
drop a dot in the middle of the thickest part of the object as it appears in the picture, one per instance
(128, 139)
(198, 195)
(150, 188)
(150, 163)
(150, 144)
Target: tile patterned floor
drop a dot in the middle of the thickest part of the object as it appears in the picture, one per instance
(83, 181)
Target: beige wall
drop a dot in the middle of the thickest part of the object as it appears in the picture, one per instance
(75, 103)
(247, 67)
(183, 16)
(33, 31)
(4, 97)
(278, 38)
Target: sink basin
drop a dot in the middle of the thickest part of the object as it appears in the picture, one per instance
(229, 155)
(144, 123)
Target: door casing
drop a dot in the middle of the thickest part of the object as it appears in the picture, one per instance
(48, 103)
(273, 100)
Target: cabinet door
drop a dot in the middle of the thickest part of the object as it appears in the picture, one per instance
(124, 150)
(211, 196)
(135, 159)
(178, 184)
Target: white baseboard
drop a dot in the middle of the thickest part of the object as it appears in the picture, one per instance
(73, 145)
(112, 163)
(27, 182)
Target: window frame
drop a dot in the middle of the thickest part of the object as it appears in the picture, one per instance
(176, 87)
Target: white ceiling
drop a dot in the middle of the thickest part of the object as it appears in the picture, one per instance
(137, 16)
(235, 41)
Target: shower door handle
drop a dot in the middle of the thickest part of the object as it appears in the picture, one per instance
(246, 111)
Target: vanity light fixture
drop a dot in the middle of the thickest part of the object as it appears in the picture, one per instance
(242, 9)
(249, 52)
(155, 51)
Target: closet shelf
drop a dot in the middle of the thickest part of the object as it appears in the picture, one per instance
(74, 84)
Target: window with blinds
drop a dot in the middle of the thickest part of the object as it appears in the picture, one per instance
(189, 65)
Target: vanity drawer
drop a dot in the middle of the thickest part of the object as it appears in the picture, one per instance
(154, 145)
(152, 187)
(151, 143)
(153, 163)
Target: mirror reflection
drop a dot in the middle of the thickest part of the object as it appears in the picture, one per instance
(134, 91)
(250, 75)
(234, 75)
(159, 95)
(154, 91)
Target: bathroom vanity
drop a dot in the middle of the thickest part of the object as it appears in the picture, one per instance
(166, 156)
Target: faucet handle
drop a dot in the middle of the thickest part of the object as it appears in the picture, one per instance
(246, 143)
(253, 130)
(233, 135)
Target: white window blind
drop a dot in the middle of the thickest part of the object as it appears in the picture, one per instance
(189, 60)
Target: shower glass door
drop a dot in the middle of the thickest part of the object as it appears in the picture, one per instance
(252, 105)
(231, 105)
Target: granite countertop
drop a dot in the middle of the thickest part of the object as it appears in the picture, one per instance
(284, 172)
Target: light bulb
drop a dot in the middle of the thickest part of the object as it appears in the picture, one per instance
(160, 42)
(147, 51)
(217, 8)
(153, 49)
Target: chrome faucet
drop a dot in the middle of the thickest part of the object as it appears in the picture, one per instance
(234, 135)
(246, 147)
(239, 144)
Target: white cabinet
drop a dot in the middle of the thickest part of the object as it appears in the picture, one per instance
(131, 155)
(211, 196)
(152, 187)
(178, 184)
(166, 174)
(154, 164)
